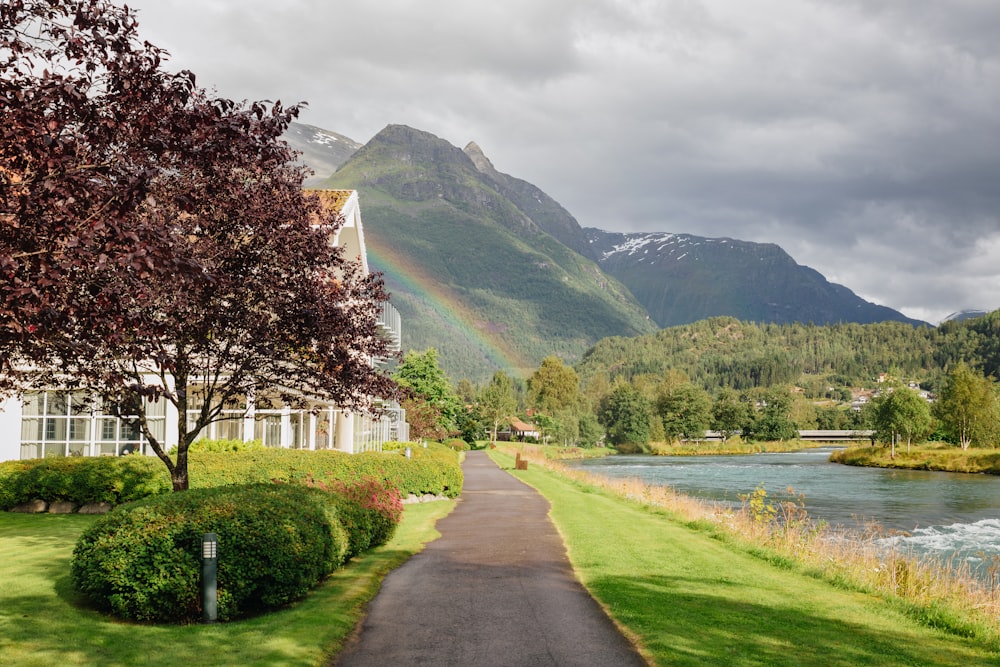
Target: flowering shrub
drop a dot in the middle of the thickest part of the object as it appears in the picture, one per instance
(369, 509)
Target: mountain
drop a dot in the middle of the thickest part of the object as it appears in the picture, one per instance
(494, 273)
(963, 315)
(472, 261)
(544, 211)
(321, 150)
(682, 278)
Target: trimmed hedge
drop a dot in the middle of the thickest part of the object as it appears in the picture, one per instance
(276, 542)
(206, 445)
(82, 480)
(433, 470)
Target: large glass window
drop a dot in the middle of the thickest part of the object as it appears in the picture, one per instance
(267, 429)
(55, 423)
(228, 427)
(300, 430)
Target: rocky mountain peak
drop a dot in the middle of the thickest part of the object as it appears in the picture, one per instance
(479, 158)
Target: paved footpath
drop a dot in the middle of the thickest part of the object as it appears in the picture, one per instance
(495, 589)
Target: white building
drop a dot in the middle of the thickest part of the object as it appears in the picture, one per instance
(59, 423)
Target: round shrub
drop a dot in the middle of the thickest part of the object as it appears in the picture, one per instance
(395, 445)
(276, 542)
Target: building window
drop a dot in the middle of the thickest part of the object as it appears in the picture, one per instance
(267, 428)
(228, 427)
(59, 423)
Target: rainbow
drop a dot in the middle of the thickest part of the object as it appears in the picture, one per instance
(399, 268)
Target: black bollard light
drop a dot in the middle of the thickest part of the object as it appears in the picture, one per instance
(209, 572)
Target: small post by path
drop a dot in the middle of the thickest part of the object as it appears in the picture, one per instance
(519, 463)
(209, 577)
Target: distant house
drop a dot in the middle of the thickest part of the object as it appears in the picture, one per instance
(54, 423)
(519, 430)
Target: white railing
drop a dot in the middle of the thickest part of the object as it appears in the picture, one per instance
(392, 324)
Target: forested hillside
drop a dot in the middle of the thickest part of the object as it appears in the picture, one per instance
(724, 352)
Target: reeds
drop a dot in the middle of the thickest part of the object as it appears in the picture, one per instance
(949, 595)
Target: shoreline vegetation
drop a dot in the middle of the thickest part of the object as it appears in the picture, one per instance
(940, 457)
(934, 456)
(732, 446)
(777, 531)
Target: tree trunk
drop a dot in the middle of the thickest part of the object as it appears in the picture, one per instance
(179, 471)
(179, 475)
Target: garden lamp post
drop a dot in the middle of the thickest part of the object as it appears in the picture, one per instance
(209, 572)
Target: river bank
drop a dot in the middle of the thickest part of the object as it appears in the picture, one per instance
(732, 446)
(939, 457)
(936, 456)
(699, 585)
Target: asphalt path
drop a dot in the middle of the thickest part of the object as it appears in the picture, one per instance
(495, 589)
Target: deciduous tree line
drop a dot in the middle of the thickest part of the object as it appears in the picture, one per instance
(630, 415)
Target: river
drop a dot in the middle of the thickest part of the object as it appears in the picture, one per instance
(940, 514)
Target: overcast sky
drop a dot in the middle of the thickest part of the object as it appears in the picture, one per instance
(862, 136)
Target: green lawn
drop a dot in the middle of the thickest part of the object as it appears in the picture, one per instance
(42, 622)
(693, 599)
(688, 597)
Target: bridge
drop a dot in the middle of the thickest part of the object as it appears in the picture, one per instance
(836, 436)
(817, 435)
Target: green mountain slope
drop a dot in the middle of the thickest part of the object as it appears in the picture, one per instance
(544, 211)
(472, 272)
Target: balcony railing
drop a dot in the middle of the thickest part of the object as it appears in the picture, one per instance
(391, 323)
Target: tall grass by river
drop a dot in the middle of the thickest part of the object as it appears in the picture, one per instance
(931, 456)
(779, 530)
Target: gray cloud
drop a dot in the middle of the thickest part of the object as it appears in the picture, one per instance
(860, 136)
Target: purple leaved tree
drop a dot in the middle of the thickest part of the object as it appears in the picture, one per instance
(156, 243)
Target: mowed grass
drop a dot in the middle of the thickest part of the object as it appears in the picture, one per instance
(43, 622)
(690, 596)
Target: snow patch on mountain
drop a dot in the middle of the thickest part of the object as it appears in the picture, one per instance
(650, 247)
